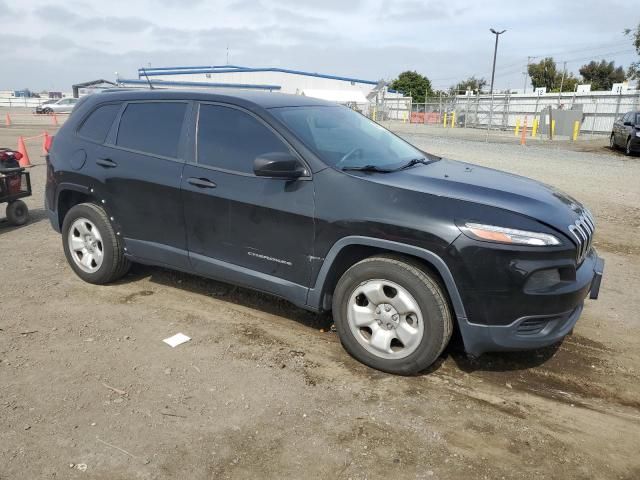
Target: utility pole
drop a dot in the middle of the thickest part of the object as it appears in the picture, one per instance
(564, 72)
(526, 74)
(495, 53)
(227, 54)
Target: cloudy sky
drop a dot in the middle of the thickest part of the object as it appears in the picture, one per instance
(48, 44)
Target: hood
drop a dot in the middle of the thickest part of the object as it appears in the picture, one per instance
(464, 181)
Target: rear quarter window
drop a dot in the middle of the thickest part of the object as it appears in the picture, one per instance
(97, 125)
(152, 127)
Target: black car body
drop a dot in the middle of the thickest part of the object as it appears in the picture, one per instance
(296, 237)
(626, 133)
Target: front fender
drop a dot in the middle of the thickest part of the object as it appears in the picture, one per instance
(314, 296)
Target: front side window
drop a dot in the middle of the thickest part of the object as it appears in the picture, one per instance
(152, 127)
(231, 139)
(96, 127)
(344, 138)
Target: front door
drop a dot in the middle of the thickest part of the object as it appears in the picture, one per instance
(259, 229)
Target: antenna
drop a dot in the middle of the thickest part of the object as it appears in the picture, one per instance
(147, 77)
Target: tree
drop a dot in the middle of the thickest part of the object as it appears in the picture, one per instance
(602, 75)
(471, 83)
(569, 83)
(634, 68)
(413, 84)
(543, 74)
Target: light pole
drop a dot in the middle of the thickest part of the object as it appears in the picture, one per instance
(495, 53)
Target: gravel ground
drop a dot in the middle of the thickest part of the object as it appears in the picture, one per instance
(264, 391)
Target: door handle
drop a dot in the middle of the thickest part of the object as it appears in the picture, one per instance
(106, 163)
(201, 182)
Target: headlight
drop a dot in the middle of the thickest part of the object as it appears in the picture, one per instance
(638, 133)
(491, 233)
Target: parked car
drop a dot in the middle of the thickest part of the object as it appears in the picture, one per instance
(626, 133)
(64, 105)
(317, 204)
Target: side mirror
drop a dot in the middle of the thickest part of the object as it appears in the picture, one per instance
(279, 165)
(628, 124)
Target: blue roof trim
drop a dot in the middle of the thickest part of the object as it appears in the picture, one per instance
(159, 83)
(199, 67)
(234, 69)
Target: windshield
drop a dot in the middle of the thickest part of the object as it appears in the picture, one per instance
(343, 138)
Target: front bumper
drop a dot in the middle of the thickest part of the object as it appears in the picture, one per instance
(532, 331)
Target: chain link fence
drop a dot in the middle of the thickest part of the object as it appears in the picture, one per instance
(597, 111)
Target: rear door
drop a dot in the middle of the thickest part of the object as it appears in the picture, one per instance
(141, 165)
(261, 228)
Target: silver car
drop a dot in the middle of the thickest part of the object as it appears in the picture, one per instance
(64, 105)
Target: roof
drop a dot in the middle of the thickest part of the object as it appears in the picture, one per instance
(240, 97)
(214, 69)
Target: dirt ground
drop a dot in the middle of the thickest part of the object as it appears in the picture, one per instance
(263, 390)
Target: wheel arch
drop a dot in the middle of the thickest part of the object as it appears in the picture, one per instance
(350, 250)
(70, 195)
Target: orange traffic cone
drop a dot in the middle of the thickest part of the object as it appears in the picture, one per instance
(7, 120)
(24, 161)
(55, 119)
(45, 143)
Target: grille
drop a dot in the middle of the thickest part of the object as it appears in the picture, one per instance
(582, 231)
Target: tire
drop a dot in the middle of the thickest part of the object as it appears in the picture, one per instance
(96, 253)
(47, 111)
(612, 142)
(401, 300)
(17, 213)
(627, 148)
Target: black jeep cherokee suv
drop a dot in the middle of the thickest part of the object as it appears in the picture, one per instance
(315, 203)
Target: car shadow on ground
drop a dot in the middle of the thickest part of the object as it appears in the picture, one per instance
(488, 362)
(501, 361)
(35, 216)
(229, 293)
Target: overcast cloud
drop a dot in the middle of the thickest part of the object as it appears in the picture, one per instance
(50, 44)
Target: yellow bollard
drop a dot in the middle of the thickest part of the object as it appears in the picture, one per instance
(453, 119)
(534, 128)
(444, 122)
(374, 114)
(576, 130)
(553, 128)
(517, 127)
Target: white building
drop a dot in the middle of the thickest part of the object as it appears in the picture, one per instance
(352, 91)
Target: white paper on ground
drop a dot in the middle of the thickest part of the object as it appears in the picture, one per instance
(177, 339)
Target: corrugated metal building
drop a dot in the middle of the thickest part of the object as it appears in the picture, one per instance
(265, 78)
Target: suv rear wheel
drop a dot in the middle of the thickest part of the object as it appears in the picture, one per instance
(93, 250)
(391, 315)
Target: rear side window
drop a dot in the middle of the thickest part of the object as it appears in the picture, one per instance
(96, 127)
(231, 139)
(152, 127)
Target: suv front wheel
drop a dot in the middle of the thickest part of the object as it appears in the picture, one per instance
(93, 250)
(392, 315)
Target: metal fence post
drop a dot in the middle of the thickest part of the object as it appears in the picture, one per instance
(490, 115)
(595, 116)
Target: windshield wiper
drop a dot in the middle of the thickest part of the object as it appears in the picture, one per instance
(416, 161)
(368, 168)
(373, 168)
